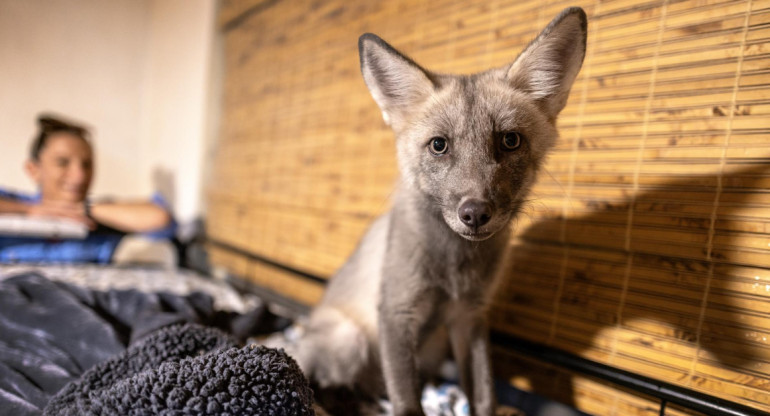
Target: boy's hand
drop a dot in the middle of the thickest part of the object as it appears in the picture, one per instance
(75, 211)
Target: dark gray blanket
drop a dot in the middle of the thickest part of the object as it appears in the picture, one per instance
(51, 333)
(188, 370)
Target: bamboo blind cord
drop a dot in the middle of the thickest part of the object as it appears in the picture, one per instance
(635, 190)
(593, 29)
(717, 195)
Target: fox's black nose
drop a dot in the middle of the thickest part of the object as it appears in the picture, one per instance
(475, 213)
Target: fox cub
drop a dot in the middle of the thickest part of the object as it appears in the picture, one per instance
(419, 284)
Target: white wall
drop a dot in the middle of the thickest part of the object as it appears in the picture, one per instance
(176, 102)
(136, 71)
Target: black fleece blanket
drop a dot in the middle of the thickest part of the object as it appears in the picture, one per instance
(52, 333)
(188, 370)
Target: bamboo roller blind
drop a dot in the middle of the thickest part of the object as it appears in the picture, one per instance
(647, 246)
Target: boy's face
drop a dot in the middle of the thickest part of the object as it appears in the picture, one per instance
(64, 168)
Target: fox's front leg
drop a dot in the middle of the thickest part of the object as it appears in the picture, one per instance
(469, 336)
(398, 350)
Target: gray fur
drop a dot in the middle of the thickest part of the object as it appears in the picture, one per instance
(421, 276)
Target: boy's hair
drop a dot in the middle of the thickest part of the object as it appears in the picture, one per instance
(51, 125)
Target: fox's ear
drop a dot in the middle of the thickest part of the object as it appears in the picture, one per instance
(547, 67)
(396, 82)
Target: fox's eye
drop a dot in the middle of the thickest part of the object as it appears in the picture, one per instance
(511, 141)
(438, 146)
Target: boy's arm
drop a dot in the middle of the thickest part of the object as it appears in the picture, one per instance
(10, 206)
(131, 216)
(68, 210)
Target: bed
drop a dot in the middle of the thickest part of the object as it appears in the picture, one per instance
(88, 339)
